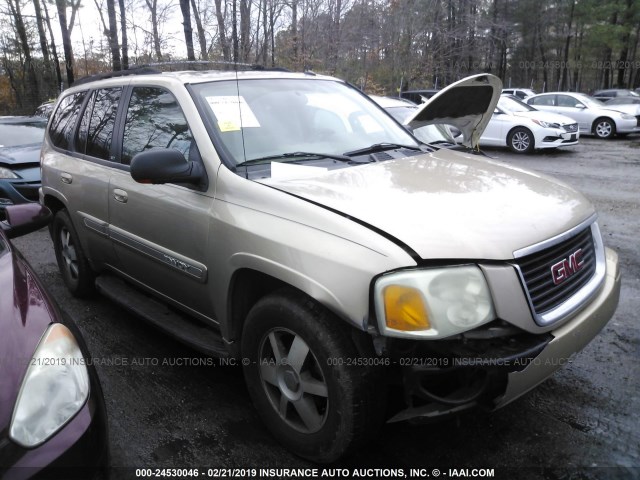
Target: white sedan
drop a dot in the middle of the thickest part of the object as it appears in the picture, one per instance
(593, 116)
(522, 128)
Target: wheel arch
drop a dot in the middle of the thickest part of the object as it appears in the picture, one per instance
(246, 287)
(249, 285)
(54, 203)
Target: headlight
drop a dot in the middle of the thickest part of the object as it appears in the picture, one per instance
(544, 124)
(54, 389)
(6, 173)
(626, 116)
(432, 303)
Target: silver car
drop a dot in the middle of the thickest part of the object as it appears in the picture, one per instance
(593, 116)
(290, 223)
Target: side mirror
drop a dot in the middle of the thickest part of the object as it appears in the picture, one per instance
(25, 218)
(580, 106)
(165, 165)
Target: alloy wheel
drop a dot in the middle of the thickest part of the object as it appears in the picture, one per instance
(521, 141)
(293, 381)
(69, 254)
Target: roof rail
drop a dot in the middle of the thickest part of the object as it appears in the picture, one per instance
(177, 65)
(210, 65)
(142, 70)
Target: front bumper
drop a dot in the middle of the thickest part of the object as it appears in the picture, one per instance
(554, 138)
(570, 338)
(628, 126)
(491, 373)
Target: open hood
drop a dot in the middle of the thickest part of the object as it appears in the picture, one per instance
(466, 104)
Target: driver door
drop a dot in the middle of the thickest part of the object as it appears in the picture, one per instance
(160, 232)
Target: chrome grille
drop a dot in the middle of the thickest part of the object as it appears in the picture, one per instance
(572, 127)
(536, 270)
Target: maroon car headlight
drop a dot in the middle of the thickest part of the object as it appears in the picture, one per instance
(54, 389)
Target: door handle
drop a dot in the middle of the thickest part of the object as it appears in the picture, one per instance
(120, 195)
(66, 177)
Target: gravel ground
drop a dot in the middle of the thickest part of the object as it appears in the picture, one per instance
(581, 423)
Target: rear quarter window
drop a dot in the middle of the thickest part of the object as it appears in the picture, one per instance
(64, 120)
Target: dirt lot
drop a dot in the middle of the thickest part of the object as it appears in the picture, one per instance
(167, 410)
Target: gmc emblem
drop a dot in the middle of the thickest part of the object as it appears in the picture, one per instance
(567, 267)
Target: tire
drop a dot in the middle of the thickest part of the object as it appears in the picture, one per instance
(72, 262)
(317, 409)
(604, 128)
(521, 140)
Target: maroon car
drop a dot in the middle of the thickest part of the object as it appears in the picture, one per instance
(52, 414)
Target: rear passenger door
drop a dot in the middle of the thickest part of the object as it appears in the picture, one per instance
(160, 232)
(83, 140)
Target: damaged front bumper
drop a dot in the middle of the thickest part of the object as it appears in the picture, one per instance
(500, 364)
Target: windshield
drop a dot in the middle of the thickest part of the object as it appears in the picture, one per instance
(509, 104)
(590, 101)
(13, 134)
(267, 117)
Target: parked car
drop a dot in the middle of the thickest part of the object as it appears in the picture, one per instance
(45, 109)
(419, 96)
(20, 142)
(405, 111)
(52, 414)
(288, 221)
(614, 93)
(593, 116)
(523, 129)
(630, 105)
(623, 101)
(520, 93)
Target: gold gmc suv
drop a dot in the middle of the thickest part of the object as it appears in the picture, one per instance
(285, 220)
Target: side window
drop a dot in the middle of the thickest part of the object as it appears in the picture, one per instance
(64, 120)
(566, 101)
(103, 119)
(544, 100)
(154, 120)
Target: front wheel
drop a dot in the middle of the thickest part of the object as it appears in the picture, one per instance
(521, 140)
(74, 266)
(302, 380)
(604, 128)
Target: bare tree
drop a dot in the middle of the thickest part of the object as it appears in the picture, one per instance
(125, 38)
(54, 50)
(245, 30)
(224, 42)
(152, 5)
(66, 40)
(188, 31)
(114, 44)
(202, 41)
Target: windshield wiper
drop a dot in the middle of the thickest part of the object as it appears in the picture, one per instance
(294, 156)
(380, 147)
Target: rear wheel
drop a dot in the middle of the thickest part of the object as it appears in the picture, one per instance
(313, 400)
(521, 140)
(604, 128)
(74, 266)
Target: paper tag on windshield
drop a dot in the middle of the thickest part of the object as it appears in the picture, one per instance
(232, 113)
